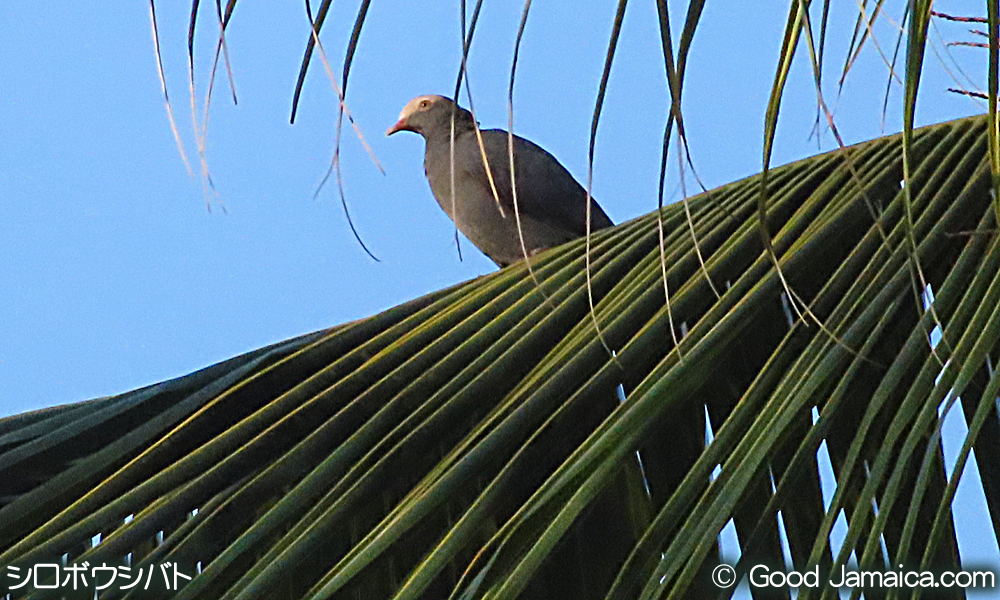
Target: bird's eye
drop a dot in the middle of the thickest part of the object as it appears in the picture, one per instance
(424, 104)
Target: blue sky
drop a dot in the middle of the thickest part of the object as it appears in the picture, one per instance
(116, 276)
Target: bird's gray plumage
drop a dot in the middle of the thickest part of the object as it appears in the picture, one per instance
(551, 203)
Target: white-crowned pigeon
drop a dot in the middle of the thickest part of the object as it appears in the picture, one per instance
(551, 204)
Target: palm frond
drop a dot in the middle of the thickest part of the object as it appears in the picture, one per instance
(473, 444)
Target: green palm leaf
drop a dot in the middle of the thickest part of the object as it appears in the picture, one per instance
(472, 443)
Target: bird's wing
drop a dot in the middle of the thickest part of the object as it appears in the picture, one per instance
(546, 191)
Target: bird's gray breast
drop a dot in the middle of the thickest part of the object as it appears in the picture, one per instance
(473, 203)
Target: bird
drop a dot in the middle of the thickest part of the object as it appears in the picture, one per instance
(552, 205)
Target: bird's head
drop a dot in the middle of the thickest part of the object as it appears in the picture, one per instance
(426, 113)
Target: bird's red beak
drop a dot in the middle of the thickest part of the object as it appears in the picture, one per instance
(401, 125)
